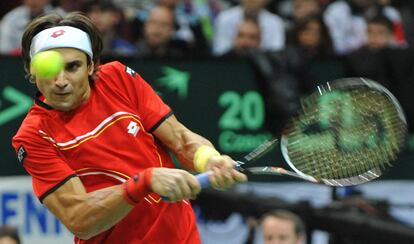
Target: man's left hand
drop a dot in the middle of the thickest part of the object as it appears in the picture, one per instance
(224, 175)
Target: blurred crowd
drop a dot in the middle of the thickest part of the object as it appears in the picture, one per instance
(176, 28)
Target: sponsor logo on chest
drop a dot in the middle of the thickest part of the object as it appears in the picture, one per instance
(133, 128)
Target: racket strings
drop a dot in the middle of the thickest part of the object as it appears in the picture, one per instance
(347, 135)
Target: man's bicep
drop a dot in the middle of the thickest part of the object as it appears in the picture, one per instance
(43, 162)
(175, 135)
(168, 132)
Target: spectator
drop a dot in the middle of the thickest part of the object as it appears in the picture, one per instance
(311, 36)
(158, 35)
(9, 235)
(271, 25)
(347, 23)
(108, 19)
(193, 21)
(284, 227)
(371, 59)
(379, 33)
(389, 65)
(14, 22)
(395, 14)
(247, 39)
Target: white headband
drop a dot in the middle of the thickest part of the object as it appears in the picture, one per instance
(61, 36)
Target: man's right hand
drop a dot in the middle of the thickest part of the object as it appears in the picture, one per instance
(176, 184)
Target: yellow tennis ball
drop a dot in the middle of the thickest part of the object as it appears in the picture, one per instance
(47, 64)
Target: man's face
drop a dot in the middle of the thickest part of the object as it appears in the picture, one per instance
(247, 37)
(310, 36)
(379, 36)
(71, 87)
(279, 231)
(159, 27)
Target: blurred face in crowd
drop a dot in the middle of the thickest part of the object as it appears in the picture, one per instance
(104, 20)
(159, 27)
(304, 8)
(279, 231)
(310, 36)
(248, 37)
(379, 36)
(71, 87)
(252, 7)
(7, 240)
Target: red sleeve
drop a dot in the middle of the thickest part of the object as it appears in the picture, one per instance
(42, 162)
(149, 106)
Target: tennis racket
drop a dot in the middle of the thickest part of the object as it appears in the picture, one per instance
(348, 132)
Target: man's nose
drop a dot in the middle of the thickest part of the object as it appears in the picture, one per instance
(60, 80)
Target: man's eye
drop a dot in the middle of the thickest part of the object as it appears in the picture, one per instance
(72, 67)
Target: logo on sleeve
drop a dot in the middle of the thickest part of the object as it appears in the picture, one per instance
(133, 128)
(21, 154)
(130, 71)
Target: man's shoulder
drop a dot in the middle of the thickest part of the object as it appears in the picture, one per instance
(113, 65)
(271, 18)
(32, 123)
(116, 76)
(116, 70)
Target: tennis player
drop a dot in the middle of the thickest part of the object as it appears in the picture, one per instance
(96, 143)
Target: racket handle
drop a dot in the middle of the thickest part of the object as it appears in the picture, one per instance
(203, 179)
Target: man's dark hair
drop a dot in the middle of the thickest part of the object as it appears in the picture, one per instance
(382, 20)
(74, 19)
(7, 231)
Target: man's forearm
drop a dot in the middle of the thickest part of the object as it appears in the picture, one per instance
(89, 214)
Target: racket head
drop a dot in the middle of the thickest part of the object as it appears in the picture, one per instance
(348, 132)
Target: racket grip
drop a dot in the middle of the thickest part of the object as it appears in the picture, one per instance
(203, 179)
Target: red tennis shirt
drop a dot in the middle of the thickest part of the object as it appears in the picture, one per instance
(104, 142)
